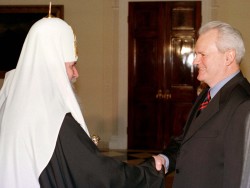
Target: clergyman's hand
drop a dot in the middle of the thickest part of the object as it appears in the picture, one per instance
(159, 162)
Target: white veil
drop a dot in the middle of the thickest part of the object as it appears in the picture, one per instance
(33, 102)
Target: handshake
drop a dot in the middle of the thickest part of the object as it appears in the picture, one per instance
(160, 163)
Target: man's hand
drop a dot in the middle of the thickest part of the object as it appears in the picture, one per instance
(159, 162)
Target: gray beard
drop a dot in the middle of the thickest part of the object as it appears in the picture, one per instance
(74, 91)
(73, 80)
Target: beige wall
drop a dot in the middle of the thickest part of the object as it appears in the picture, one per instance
(101, 54)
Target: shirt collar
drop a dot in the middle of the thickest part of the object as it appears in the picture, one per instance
(214, 90)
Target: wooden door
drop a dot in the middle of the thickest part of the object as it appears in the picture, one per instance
(162, 81)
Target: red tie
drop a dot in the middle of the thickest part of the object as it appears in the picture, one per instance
(205, 102)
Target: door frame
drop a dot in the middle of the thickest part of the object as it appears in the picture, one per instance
(119, 141)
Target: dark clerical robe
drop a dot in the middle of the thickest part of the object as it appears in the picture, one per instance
(77, 162)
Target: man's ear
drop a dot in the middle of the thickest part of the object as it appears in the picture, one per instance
(230, 56)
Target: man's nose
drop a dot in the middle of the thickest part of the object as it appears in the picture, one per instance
(196, 60)
(76, 75)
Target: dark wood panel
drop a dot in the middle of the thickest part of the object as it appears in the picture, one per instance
(144, 67)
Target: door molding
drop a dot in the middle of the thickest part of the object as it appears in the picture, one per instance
(119, 141)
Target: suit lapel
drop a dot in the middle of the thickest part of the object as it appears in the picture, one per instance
(193, 111)
(206, 114)
(194, 124)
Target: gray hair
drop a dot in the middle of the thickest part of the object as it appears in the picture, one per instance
(228, 38)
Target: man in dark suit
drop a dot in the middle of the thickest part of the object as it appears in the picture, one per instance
(209, 153)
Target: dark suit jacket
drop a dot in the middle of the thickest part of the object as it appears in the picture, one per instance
(78, 163)
(209, 153)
